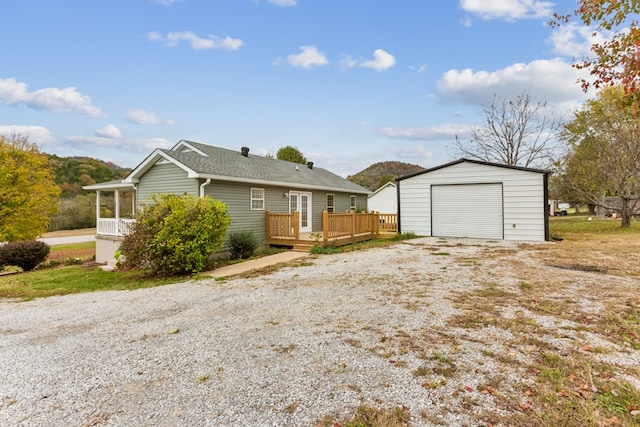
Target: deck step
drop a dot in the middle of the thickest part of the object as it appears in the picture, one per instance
(302, 247)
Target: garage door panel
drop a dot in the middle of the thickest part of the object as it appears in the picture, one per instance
(469, 210)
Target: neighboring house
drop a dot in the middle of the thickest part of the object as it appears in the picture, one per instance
(469, 198)
(249, 185)
(384, 199)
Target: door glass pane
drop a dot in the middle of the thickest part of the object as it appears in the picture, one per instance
(304, 214)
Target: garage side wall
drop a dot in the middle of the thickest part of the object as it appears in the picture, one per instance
(523, 198)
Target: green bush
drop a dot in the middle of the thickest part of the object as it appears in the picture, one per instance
(26, 255)
(243, 244)
(175, 235)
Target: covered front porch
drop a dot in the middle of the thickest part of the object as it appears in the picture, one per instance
(337, 229)
(113, 222)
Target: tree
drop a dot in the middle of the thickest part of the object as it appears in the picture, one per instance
(603, 156)
(28, 193)
(616, 61)
(291, 154)
(176, 234)
(517, 132)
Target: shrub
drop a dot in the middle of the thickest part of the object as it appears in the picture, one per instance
(243, 244)
(26, 255)
(175, 234)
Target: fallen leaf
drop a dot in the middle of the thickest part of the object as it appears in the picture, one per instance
(469, 389)
(524, 406)
(174, 331)
(587, 347)
(613, 421)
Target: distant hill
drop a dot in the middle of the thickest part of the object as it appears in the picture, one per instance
(71, 173)
(378, 174)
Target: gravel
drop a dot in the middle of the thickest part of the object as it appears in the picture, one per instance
(283, 349)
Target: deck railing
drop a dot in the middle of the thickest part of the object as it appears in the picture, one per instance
(114, 227)
(347, 226)
(283, 226)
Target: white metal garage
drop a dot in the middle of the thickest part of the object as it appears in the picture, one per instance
(469, 198)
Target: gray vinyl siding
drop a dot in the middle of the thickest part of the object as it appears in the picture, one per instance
(237, 197)
(523, 198)
(165, 179)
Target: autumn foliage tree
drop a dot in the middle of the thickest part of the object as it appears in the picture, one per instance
(615, 61)
(603, 156)
(28, 193)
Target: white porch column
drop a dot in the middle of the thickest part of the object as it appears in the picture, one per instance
(117, 213)
(98, 212)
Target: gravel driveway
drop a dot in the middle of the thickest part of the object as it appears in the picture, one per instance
(376, 327)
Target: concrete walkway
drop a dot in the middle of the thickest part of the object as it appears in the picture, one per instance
(254, 264)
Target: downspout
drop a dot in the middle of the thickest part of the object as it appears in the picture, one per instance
(204, 184)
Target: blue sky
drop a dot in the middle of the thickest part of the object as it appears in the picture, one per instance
(348, 82)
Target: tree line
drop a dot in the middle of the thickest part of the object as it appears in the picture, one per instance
(594, 154)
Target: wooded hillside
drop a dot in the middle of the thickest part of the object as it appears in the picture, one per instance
(71, 173)
(378, 174)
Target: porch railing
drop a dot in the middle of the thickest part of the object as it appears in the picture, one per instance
(114, 227)
(335, 226)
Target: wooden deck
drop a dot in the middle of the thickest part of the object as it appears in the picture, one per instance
(337, 229)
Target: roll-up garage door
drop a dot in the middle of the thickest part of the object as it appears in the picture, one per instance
(467, 210)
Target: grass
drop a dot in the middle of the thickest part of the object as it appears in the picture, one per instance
(73, 279)
(585, 225)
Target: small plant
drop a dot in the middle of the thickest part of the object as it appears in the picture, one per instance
(316, 236)
(243, 244)
(26, 255)
(404, 236)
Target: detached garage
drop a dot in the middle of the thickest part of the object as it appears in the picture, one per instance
(470, 198)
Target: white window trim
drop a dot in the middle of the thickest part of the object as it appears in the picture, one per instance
(262, 199)
(334, 203)
(354, 199)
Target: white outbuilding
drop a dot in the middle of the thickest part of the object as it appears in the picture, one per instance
(384, 199)
(471, 198)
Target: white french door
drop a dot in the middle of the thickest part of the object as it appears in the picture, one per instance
(300, 201)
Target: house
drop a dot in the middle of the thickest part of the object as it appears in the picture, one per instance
(470, 198)
(250, 186)
(384, 199)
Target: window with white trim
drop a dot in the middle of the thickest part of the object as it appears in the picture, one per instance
(257, 199)
(352, 203)
(331, 203)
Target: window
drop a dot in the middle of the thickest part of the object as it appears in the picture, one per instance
(257, 199)
(331, 203)
(352, 203)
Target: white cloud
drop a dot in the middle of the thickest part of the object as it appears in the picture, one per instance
(51, 99)
(574, 40)
(109, 131)
(39, 135)
(509, 10)
(382, 61)
(412, 152)
(429, 133)
(135, 144)
(283, 3)
(309, 57)
(196, 42)
(143, 117)
(553, 81)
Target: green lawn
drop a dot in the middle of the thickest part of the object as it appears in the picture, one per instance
(73, 279)
(580, 224)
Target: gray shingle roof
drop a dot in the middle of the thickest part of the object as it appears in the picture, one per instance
(230, 163)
